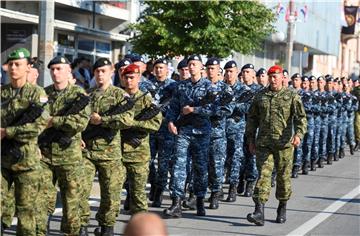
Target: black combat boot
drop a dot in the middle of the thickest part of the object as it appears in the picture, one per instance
(342, 153)
(190, 203)
(200, 206)
(321, 162)
(352, 149)
(83, 231)
(336, 156)
(232, 193)
(152, 192)
(157, 197)
(174, 211)
(357, 145)
(330, 158)
(281, 212)
(249, 189)
(104, 231)
(295, 171)
(305, 168)
(214, 200)
(258, 216)
(313, 165)
(241, 187)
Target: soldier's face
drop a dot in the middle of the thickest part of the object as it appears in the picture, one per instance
(248, 75)
(313, 85)
(131, 81)
(195, 67)
(297, 83)
(276, 81)
(329, 86)
(103, 75)
(213, 71)
(286, 81)
(305, 84)
(60, 73)
(263, 80)
(184, 73)
(161, 71)
(321, 84)
(231, 75)
(18, 69)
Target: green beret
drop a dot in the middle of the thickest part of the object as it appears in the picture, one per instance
(58, 60)
(19, 53)
(101, 62)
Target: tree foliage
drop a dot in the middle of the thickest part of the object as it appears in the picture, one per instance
(213, 28)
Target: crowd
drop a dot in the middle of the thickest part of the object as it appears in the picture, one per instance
(194, 131)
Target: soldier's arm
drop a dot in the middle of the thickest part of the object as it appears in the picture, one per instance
(299, 115)
(24, 133)
(151, 125)
(174, 108)
(252, 122)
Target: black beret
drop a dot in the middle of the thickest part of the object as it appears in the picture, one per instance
(123, 62)
(285, 72)
(296, 75)
(261, 71)
(230, 64)
(320, 78)
(304, 78)
(248, 66)
(212, 61)
(101, 62)
(194, 58)
(161, 61)
(329, 78)
(182, 64)
(58, 60)
(312, 78)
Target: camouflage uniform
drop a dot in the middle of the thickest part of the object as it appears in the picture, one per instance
(317, 126)
(66, 163)
(275, 113)
(340, 119)
(136, 159)
(104, 157)
(24, 173)
(356, 93)
(332, 109)
(324, 114)
(307, 100)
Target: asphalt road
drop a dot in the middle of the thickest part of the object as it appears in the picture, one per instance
(325, 202)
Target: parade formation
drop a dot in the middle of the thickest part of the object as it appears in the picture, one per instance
(191, 134)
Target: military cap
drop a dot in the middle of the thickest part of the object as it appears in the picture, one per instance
(248, 66)
(212, 61)
(312, 78)
(285, 72)
(101, 62)
(58, 60)
(260, 71)
(182, 64)
(194, 58)
(304, 78)
(122, 62)
(275, 70)
(19, 53)
(329, 78)
(296, 75)
(36, 65)
(135, 57)
(320, 78)
(161, 61)
(230, 64)
(131, 69)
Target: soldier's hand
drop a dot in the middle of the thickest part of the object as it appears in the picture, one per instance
(187, 110)
(82, 144)
(296, 141)
(50, 123)
(252, 148)
(95, 119)
(3, 133)
(172, 128)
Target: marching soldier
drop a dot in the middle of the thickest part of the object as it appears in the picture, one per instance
(278, 114)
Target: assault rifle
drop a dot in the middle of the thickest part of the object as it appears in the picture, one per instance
(133, 136)
(52, 135)
(151, 111)
(98, 131)
(245, 97)
(10, 147)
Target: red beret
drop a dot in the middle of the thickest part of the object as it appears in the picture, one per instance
(131, 69)
(275, 70)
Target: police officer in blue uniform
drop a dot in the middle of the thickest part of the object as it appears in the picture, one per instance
(317, 122)
(332, 116)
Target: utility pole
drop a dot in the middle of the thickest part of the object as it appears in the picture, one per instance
(290, 35)
(46, 38)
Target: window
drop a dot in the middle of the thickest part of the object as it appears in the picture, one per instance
(66, 40)
(102, 47)
(86, 45)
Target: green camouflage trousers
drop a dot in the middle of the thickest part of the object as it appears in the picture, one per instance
(266, 159)
(69, 181)
(357, 126)
(8, 206)
(137, 174)
(27, 185)
(111, 179)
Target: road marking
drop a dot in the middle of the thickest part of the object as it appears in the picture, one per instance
(320, 217)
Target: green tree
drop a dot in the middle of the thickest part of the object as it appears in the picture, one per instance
(213, 28)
